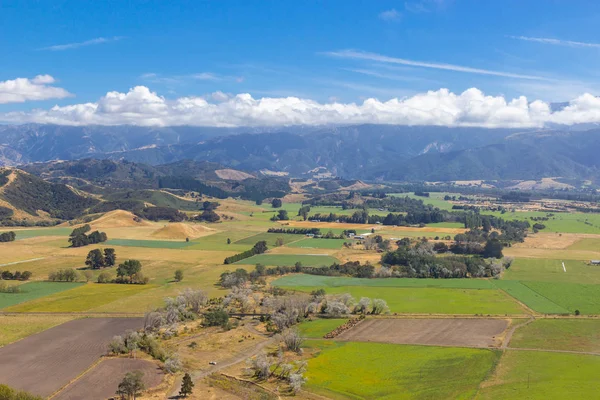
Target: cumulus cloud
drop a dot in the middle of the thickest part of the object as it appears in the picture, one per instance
(141, 106)
(24, 89)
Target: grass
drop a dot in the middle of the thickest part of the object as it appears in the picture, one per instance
(270, 238)
(30, 233)
(530, 298)
(538, 375)
(385, 371)
(155, 244)
(587, 244)
(311, 243)
(80, 299)
(559, 334)
(35, 290)
(16, 327)
(304, 280)
(571, 296)
(319, 327)
(546, 270)
(289, 260)
(218, 241)
(436, 199)
(414, 297)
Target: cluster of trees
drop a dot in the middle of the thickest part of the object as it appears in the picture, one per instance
(8, 393)
(208, 216)
(296, 231)
(264, 367)
(483, 225)
(161, 213)
(411, 218)
(99, 258)
(303, 212)
(16, 276)
(63, 275)
(131, 386)
(6, 213)
(7, 236)
(130, 272)
(420, 261)
(78, 237)
(282, 215)
(258, 248)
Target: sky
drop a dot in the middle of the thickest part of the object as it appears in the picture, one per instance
(494, 63)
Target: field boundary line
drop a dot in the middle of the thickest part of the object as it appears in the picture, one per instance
(588, 353)
(538, 293)
(72, 381)
(23, 261)
(512, 330)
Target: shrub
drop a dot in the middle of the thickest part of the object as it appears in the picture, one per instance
(216, 318)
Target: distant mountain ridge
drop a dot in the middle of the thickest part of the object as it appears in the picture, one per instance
(372, 152)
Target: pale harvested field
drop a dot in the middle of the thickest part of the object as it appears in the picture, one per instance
(553, 254)
(102, 381)
(181, 231)
(45, 362)
(439, 332)
(331, 225)
(547, 240)
(118, 219)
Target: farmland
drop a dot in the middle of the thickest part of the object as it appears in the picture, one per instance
(15, 327)
(319, 327)
(559, 334)
(311, 260)
(34, 290)
(154, 244)
(52, 351)
(397, 371)
(539, 375)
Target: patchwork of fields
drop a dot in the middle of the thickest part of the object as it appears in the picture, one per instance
(407, 366)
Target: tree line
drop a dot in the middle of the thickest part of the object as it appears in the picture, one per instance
(258, 248)
(78, 237)
(8, 236)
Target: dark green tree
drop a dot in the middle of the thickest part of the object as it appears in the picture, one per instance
(110, 257)
(129, 269)
(282, 215)
(493, 249)
(178, 275)
(276, 203)
(187, 386)
(95, 259)
(131, 385)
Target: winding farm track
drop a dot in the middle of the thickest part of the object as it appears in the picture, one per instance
(512, 330)
(238, 358)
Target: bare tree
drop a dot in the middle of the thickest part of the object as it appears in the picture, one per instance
(379, 307)
(336, 308)
(292, 339)
(260, 366)
(153, 321)
(195, 299)
(363, 305)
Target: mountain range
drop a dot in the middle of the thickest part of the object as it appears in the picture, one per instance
(372, 152)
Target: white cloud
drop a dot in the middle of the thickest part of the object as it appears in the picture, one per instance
(91, 42)
(556, 42)
(141, 106)
(362, 55)
(24, 89)
(390, 15)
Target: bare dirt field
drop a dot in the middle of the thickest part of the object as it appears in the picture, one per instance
(440, 332)
(45, 362)
(102, 381)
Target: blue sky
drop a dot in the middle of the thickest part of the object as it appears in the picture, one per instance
(327, 51)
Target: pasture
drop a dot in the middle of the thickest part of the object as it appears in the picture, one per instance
(16, 327)
(545, 270)
(270, 238)
(34, 290)
(309, 260)
(386, 371)
(530, 298)
(45, 362)
(559, 334)
(311, 243)
(153, 244)
(81, 298)
(539, 375)
(571, 296)
(32, 233)
(318, 328)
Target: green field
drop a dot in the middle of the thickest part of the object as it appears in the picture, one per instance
(311, 243)
(588, 244)
(35, 290)
(571, 296)
(539, 375)
(270, 238)
(306, 280)
(15, 327)
(319, 327)
(82, 298)
(30, 233)
(154, 244)
(530, 298)
(421, 299)
(436, 199)
(545, 270)
(559, 334)
(385, 371)
(289, 260)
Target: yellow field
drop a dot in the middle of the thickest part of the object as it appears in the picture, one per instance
(15, 327)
